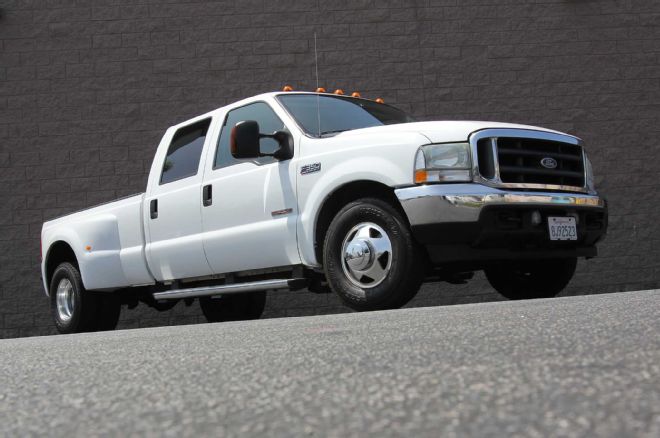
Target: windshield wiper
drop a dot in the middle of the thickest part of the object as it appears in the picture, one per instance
(336, 131)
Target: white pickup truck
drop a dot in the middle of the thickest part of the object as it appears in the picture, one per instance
(292, 190)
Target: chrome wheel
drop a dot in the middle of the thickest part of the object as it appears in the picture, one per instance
(367, 255)
(64, 299)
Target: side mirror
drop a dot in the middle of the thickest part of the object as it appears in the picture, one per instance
(244, 140)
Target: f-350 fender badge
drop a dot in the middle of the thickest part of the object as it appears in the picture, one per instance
(310, 168)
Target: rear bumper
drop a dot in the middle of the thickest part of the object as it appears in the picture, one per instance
(476, 223)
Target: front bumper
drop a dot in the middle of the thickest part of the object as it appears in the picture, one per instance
(473, 222)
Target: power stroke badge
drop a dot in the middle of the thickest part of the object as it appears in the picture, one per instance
(310, 168)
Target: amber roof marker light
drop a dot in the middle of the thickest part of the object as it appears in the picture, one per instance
(287, 88)
(355, 94)
(320, 90)
(339, 92)
(380, 100)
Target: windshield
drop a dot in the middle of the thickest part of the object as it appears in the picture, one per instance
(338, 113)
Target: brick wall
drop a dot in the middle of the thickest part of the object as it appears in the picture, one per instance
(87, 87)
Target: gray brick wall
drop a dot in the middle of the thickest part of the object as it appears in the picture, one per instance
(87, 87)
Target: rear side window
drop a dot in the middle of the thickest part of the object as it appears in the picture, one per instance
(183, 155)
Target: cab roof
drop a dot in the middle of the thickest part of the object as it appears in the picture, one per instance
(268, 96)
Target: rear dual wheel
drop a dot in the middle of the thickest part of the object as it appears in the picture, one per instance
(76, 309)
(233, 307)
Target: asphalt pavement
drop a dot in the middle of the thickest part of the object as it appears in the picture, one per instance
(574, 366)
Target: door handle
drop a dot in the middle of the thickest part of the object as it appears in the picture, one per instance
(207, 195)
(153, 208)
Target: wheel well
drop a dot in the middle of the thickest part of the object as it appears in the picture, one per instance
(342, 196)
(59, 252)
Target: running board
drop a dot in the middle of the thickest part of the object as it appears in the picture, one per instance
(235, 288)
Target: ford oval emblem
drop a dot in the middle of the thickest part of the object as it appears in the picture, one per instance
(549, 163)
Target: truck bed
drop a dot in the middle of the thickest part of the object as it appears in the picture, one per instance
(108, 241)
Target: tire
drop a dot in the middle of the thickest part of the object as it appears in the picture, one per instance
(76, 310)
(531, 279)
(110, 309)
(358, 266)
(233, 307)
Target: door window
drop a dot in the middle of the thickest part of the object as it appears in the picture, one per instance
(184, 152)
(268, 123)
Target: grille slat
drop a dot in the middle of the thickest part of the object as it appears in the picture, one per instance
(529, 153)
(533, 171)
(520, 161)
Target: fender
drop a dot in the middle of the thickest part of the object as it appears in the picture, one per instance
(65, 235)
(337, 171)
(96, 244)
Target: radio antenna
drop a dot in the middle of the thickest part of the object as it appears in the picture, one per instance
(318, 98)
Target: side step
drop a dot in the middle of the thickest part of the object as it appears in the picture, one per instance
(235, 288)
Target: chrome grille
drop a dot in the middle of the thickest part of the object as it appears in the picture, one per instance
(521, 161)
(529, 159)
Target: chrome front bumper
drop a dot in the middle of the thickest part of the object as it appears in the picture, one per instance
(460, 203)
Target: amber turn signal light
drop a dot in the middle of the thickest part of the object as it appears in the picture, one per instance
(421, 176)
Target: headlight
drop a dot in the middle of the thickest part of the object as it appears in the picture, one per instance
(589, 172)
(448, 162)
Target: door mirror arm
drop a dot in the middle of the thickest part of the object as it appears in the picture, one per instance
(285, 140)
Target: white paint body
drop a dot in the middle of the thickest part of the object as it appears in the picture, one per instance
(118, 245)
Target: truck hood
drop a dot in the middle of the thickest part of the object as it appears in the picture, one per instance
(441, 131)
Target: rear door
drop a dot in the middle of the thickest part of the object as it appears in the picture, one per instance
(250, 220)
(172, 208)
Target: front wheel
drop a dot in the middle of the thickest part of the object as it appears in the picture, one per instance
(76, 309)
(237, 307)
(370, 258)
(519, 280)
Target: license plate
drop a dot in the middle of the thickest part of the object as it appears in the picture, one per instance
(562, 228)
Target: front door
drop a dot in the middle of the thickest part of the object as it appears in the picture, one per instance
(173, 206)
(250, 221)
